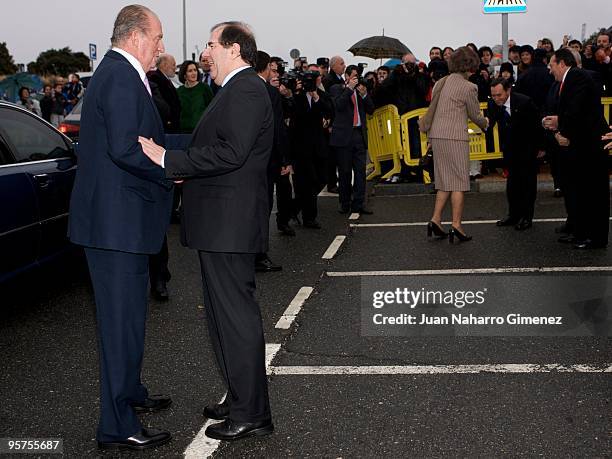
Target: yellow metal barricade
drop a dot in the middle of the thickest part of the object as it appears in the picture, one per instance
(606, 102)
(389, 139)
(384, 141)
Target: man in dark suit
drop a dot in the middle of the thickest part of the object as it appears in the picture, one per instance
(578, 129)
(279, 167)
(311, 107)
(119, 211)
(206, 74)
(521, 138)
(349, 139)
(164, 93)
(335, 76)
(225, 217)
(169, 107)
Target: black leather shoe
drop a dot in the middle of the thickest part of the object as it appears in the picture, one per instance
(508, 221)
(266, 265)
(558, 193)
(160, 291)
(364, 211)
(230, 430)
(523, 224)
(344, 210)
(219, 411)
(152, 403)
(312, 224)
(588, 244)
(147, 438)
(567, 239)
(285, 229)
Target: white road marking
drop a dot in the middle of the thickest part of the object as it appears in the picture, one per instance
(440, 369)
(333, 248)
(354, 216)
(294, 308)
(444, 272)
(469, 222)
(203, 447)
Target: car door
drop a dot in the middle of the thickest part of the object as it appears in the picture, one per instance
(47, 158)
(19, 219)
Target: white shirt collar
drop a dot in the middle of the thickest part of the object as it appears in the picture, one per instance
(564, 75)
(234, 72)
(132, 60)
(507, 105)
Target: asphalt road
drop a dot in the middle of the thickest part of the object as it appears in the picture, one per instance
(48, 382)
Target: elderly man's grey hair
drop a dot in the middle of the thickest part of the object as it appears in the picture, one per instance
(129, 19)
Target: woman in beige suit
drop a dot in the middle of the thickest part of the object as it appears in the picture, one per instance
(454, 100)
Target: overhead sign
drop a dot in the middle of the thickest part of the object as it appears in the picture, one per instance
(504, 6)
(92, 52)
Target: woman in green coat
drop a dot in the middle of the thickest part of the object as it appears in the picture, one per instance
(194, 95)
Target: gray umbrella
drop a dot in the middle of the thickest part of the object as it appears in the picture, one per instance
(379, 47)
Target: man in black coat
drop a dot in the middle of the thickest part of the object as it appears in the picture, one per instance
(336, 72)
(279, 167)
(578, 129)
(164, 93)
(349, 139)
(225, 217)
(169, 107)
(311, 107)
(521, 137)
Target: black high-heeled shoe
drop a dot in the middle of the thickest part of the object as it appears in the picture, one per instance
(460, 236)
(434, 228)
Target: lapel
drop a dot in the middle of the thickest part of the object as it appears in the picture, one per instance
(116, 56)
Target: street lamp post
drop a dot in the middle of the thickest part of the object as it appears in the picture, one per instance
(184, 32)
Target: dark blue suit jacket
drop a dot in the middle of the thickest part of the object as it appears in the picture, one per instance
(121, 199)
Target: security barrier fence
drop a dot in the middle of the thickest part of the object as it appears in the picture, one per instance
(397, 138)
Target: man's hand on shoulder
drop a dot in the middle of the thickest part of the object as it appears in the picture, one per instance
(152, 150)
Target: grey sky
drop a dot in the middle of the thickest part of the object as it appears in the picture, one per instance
(317, 28)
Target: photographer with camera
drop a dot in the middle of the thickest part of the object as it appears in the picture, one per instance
(312, 110)
(349, 139)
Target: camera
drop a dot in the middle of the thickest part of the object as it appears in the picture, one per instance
(289, 79)
(360, 79)
(307, 78)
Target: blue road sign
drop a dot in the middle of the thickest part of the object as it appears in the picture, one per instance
(92, 52)
(504, 6)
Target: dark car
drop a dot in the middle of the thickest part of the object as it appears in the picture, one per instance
(37, 170)
(71, 125)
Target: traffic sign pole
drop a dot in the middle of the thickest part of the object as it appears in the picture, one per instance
(505, 37)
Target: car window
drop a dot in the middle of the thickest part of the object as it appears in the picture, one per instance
(32, 139)
(77, 108)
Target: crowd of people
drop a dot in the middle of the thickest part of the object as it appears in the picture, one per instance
(257, 127)
(58, 99)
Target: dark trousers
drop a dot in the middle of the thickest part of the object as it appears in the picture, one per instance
(236, 332)
(569, 185)
(592, 198)
(331, 164)
(120, 287)
(158, 265)
(284, 200)
(307, 185)
(352, 159)
(521, 190)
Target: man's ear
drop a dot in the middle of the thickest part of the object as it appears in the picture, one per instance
(236, 49)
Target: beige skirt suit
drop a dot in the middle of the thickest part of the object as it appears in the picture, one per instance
(449, 132)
